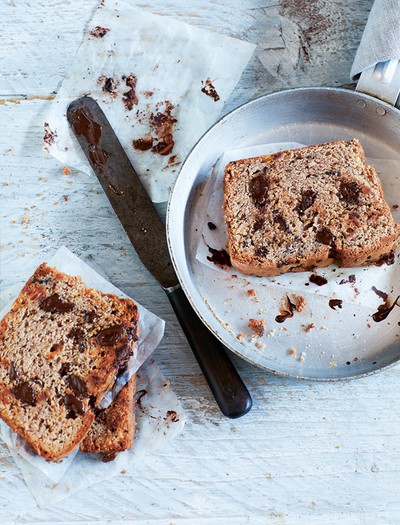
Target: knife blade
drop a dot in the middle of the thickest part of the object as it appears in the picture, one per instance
(147, 234)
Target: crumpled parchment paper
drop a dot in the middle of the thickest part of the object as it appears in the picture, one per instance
(159, 413)
(162, 83)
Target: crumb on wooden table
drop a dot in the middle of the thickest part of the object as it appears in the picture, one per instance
(258, 326)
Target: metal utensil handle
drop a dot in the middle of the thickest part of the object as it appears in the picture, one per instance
(229, 391)
(382, 81)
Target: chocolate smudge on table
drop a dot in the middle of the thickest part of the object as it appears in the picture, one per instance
(333, 303)
(99, 32)
(287, 311)
(130, 98)
(209, 90)
(49, 135)
(219, 257)
(384, 310)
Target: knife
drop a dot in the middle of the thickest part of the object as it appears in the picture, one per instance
(147, 234)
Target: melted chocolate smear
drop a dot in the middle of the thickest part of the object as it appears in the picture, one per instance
(349, 192)
(139, 396)
(383, 311)
(258, 189)
(209, 90)
(219, 257)
(99, 32)
(261, 251)
(49, 135)
(382, 295)
(351, 279)
(162, 124)
(55, 304)
(324, 236)
(130, 98)
(123, 355)
(307, 200)
(91, 317)
(64, 370)
(143, 144)
(74, 405)
(317, 279)
(83, 125)
(25, 393)
(280, 220)
(211, 226)
(98, 156)
(110, 336)
(77, 385)
(333, 303)
(110, 86)
(286, 314)
(386, 259)
(258, 224)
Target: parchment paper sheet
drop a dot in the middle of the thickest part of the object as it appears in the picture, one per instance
(159, 415)
(168, 63)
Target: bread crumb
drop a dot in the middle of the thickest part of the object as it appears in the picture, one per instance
(66, 170)
(25, 219)
(332, 363)
(292, 351)
(258, 326)
(7, 183)
(271, 333)
(301, 302)
(260, 345)
(240, 337)
(302, 356)
(309, 327)
(251, 292)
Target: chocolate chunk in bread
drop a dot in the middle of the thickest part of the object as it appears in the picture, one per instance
(61, 347)
(305, 208)
(113, 429)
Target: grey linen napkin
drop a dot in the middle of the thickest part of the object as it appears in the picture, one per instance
(381, 38)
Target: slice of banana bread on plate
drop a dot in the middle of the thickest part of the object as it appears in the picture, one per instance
(302, 209)
(61, 347)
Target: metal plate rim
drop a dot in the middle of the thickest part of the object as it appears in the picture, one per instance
(174, 258)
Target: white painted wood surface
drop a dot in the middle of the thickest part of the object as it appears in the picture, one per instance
(307, 453)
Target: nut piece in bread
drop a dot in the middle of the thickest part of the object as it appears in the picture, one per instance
(61, 347)
(302, 209)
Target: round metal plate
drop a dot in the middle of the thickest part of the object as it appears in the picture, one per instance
(340, 348)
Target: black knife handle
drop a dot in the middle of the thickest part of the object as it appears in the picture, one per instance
(229, 391)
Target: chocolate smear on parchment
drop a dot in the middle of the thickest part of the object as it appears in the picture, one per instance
(99, 32)
(130, 98)
(209, 90)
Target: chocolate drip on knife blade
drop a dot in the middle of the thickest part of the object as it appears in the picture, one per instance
(123, 187)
